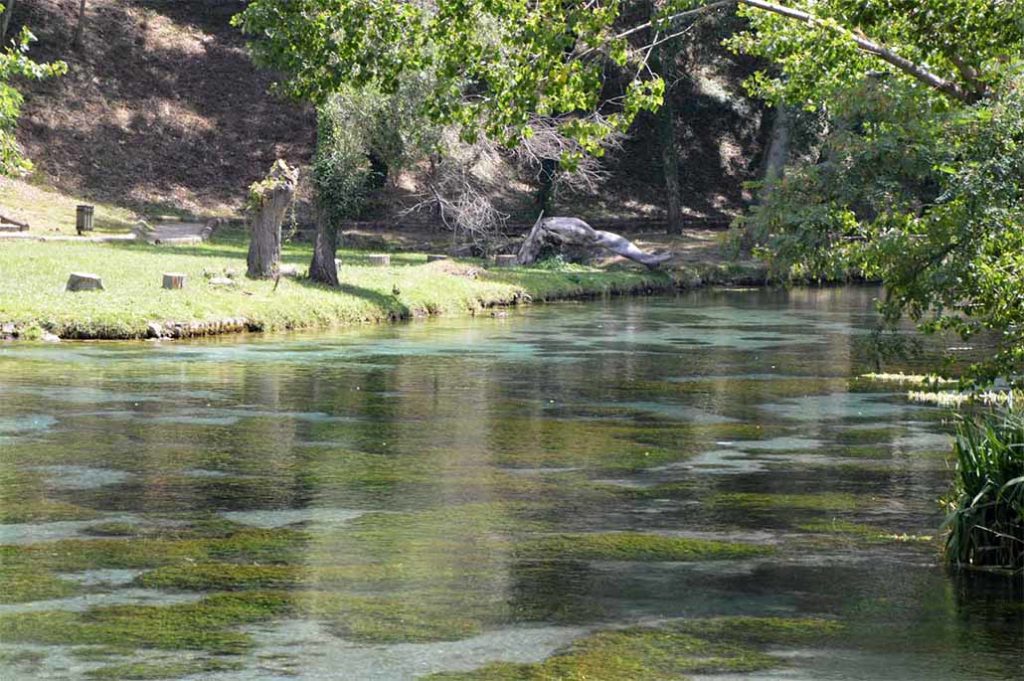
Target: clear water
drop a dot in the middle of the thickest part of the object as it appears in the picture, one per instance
(401, 478)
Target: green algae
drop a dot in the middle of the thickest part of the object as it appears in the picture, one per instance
(635, 546)
(756, 501)
(19, 583)
(702, 646)
(396, 619)
(864, 532)
(162, 670)
(220, 577)
(72, 555)
(206, 625)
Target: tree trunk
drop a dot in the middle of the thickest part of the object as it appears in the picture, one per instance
(663, 62)
(6, 21)
(576, 232)
(323, 269)
(778, 146)
(80, 28)
(271, 199)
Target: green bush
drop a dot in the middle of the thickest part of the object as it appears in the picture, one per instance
(986, 520)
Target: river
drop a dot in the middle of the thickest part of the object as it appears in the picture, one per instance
(697, 486)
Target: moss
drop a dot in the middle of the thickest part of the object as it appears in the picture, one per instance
(869, 533)
(398, 619)
(635, 546)
(26, 658)
(20, 583)
(638, 654)
(113, 530)
(163, 670)
(219, 577)
(756, 501)
(72, 555)
(37, 509)
(206, 625)
(701, 646)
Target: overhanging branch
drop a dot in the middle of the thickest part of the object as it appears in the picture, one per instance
(916, 71)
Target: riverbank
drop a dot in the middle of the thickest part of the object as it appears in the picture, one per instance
(34, 304)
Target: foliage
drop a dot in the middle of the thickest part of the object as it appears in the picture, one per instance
(911, 187)
(495, 64)
(986, 520)
(14, 63)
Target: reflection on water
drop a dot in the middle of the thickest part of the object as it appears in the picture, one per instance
(446, 495)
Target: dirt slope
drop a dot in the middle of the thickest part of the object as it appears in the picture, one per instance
(161, 110)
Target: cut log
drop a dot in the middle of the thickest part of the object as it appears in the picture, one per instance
(269, 201)
(436, 257)
(174, 280)
(288, 271)
(576, 232)
(379, 259)
(505, 260)
(83, 281)
(223, 282)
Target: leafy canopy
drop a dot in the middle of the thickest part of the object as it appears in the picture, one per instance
(907, 185)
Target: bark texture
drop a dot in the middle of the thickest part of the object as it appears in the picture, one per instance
(576, 232)
(270, 201)
(324, 268)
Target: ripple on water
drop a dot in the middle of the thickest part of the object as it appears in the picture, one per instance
(323, 655)
(32, 533)
(88, 601)
(81, 477)
(269, 519)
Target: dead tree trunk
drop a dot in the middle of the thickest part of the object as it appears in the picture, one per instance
(576, 232)
(270, 199)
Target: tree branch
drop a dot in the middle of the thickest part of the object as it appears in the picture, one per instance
(917, 71)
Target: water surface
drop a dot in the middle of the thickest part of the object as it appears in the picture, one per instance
(435, 497)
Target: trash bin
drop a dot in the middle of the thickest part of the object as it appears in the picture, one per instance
(83, 219)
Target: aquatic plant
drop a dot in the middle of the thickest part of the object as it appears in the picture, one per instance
(986, 520)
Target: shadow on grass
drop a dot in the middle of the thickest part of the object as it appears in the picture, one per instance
(391, 306)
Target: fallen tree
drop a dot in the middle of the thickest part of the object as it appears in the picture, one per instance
(576, 232)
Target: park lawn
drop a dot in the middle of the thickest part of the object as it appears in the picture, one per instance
(33, 299)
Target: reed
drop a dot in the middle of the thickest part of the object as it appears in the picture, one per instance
(986, 519)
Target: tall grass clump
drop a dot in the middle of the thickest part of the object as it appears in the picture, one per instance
(986, 520)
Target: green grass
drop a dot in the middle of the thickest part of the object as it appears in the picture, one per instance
(34, 274)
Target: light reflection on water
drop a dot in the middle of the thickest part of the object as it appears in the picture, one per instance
(407, 469)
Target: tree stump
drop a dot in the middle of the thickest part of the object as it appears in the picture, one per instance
(505, 260)
(435, 258)
(83, 281)
(379, 259)
(174, 280)
(269, 200)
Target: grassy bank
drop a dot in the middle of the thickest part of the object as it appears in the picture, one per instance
(33, 299)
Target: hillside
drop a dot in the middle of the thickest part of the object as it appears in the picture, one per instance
(162, 111)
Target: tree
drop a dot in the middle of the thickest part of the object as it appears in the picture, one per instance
(80, 26)
(917, 178)
(268, 201)
(14, 63)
